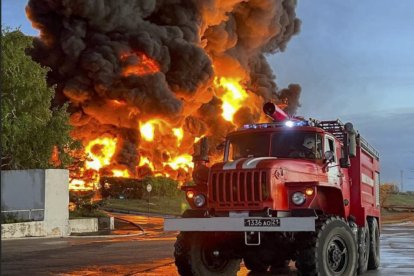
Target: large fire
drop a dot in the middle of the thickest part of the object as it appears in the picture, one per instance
(100, 151)
(233, 98)
(177, 162)
(146, 80)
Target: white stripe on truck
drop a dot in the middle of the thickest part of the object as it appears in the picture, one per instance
(252, 162)
(231, 165)
(367, 180)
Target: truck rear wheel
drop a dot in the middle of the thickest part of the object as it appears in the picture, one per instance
(202, 256)
(363, 248)
(332, 251)
(374, 248)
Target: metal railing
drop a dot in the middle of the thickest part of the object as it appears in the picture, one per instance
(24, 211)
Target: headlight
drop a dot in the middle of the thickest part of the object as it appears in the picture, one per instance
(298, 198)
(199, 200)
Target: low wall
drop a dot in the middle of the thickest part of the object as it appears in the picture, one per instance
(83, 225)
(46, 191)
(106, 223)
(23, 229)
(57, 202)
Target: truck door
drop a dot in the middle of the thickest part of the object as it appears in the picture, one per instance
(334, 175)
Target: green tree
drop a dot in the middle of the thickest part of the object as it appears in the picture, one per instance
(31, 129)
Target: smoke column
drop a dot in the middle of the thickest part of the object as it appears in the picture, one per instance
(121, 64)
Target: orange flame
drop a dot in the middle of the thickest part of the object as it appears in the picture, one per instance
(184, 162)
(120, 173)
(144, 66)
(171, 143)
(196, 139)
(179, 133)
(145, 161)
(101, 151)
(147, 130)
(78, 185)
(233, 97)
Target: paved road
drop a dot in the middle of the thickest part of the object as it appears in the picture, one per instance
(150, 254)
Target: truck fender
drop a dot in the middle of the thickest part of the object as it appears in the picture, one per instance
(330, 201)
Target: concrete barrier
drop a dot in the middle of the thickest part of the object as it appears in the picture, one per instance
(83, 225)
(47, 190)
(23, 229)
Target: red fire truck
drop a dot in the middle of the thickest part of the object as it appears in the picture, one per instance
(299, 190)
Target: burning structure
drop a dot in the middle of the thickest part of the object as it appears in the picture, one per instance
(146, 79)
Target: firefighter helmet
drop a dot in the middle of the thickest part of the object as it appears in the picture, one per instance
(309, 142)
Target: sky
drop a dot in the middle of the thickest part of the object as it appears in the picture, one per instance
(354, 61)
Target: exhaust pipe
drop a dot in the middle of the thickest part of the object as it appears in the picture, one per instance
(275, 112)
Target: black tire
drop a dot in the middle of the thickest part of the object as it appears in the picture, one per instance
(374, 248)
(181, 255)
(194, 255)
(363, 248)
(254, 264)
(332, 251)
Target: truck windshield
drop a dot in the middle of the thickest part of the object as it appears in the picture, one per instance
(296, 145)
(245, 146)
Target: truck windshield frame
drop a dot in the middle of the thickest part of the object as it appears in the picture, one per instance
(248, 146)
(285, 144)
(291, 144)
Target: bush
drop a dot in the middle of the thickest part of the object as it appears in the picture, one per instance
(10, 218)
(129, 188)
(163, 186)
(84, 205)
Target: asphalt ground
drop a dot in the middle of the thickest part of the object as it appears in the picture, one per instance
(150, 252)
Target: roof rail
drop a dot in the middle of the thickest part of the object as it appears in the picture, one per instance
(336, 128)
(370, 149)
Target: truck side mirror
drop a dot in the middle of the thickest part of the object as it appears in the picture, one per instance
(201, 150)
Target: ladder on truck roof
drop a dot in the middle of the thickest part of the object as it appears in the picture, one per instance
(336, 128)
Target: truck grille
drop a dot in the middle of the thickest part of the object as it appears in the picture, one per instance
(238, 189)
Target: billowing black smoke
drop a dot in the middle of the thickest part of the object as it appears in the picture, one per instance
(122, 63)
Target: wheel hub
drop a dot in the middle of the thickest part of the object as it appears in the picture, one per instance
(337, 256)
(212, 259)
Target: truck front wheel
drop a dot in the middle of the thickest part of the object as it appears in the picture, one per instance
(332, 251)
(181, 248)
(204, 256)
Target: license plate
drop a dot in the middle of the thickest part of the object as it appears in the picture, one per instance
(262, 222)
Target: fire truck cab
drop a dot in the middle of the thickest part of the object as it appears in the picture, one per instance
(299, 190)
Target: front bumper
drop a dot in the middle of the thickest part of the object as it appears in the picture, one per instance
(238, 224)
